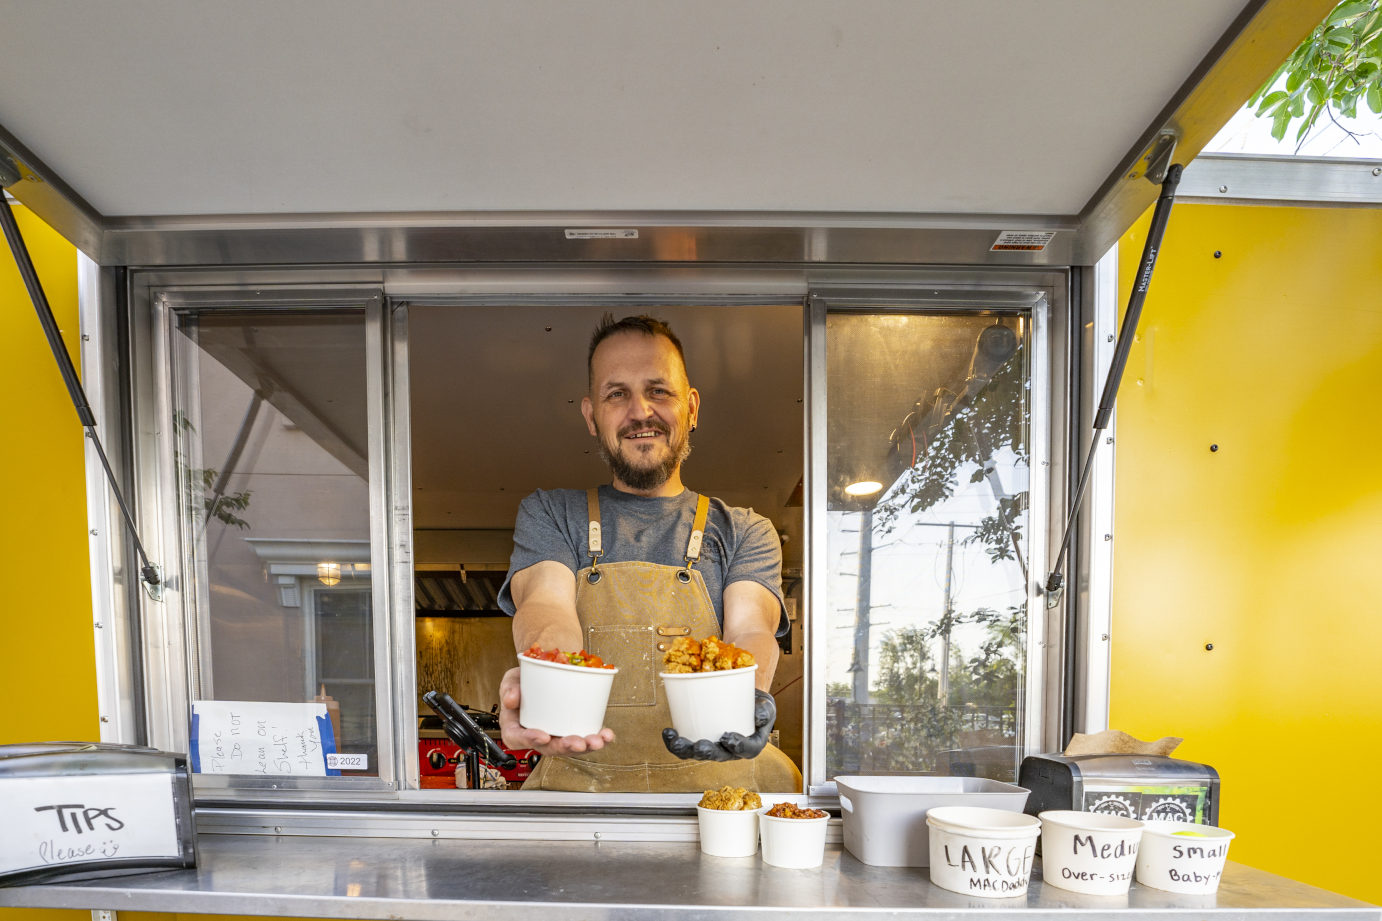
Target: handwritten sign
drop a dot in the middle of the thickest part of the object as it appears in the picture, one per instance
(57, 821)
(257, 737)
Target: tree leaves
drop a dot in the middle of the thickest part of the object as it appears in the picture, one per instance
(1338, 64)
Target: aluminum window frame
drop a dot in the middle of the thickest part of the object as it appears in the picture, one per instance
(171, 635)
(1040, 298)
(387, 294)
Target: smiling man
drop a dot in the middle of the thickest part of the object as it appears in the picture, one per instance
(624, 569)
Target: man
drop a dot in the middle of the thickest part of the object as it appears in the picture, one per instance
(623, 570)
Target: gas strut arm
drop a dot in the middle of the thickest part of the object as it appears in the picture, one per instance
(1160, 215)
(8, 176)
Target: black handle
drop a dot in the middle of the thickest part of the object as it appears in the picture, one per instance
(464, 732)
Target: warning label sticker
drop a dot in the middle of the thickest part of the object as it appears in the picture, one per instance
(599, 233)
(1029, 241)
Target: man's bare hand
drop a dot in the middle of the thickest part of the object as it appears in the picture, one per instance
(517, 737)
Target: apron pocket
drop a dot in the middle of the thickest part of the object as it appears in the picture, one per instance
(633, 651)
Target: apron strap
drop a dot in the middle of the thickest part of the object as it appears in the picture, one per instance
(592, 508)
(693, 546)
(596, 548)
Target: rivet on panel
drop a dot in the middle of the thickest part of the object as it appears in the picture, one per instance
(1218, 254)
(1209, 647)
(1213, 448)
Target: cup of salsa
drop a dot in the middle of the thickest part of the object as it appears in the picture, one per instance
(563, 693)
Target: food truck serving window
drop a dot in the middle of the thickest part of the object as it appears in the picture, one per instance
(340, 478)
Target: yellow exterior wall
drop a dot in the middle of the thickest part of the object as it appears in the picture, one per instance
(47, 662)
(1270, 547)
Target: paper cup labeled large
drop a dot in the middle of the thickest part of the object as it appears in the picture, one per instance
(706, 705)
(1179, 857)
(1089, 852)
(980, 851)
(563, 700)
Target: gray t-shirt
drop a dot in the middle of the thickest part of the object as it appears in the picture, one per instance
(740, 545)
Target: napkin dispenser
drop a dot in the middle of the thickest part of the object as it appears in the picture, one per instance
(77, 810)
(1136, 786)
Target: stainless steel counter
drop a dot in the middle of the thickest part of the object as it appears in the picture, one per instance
(456, 880)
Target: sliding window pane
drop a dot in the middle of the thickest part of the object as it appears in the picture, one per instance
(928, 418)
(272, 463)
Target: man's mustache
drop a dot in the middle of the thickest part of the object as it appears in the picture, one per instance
(658, 427)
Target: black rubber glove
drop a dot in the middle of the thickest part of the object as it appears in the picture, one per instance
(731, 746)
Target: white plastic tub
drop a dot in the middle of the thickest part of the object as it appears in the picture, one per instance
(885, 817)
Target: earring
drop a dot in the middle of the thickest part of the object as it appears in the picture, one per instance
(693, 426)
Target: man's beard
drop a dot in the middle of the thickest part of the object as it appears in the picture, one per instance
(644, 478)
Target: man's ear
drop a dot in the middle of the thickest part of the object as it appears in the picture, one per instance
(588, 410)
(693, 403)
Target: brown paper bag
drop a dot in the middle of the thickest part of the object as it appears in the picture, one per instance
(1113, 741)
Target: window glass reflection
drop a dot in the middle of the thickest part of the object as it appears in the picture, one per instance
(272, 462)
(927, 542)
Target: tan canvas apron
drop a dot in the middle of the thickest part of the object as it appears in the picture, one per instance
(630, 612)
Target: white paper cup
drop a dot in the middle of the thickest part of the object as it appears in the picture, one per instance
(728, 832)
(1089, 852)
(797, 844)
(1180, 857)
(706, 705)
(980, 851)
(563, 700)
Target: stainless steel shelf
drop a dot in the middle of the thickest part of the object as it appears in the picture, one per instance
(457, 880)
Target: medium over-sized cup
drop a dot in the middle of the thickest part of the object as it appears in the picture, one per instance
(1180, 857)
(561, 699)
(1089, 852)
(706, 705)
(796, 844)
(980, 851)
(728, 832)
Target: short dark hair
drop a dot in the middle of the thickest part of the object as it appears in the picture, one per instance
(648, 326)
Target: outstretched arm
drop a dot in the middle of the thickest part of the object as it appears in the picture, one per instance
(544, 595)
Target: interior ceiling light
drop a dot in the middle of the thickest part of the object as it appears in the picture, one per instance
(863, 488)
(328, 573)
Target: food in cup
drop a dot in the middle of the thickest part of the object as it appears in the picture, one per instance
(793, 837)
(793, 811)
(582, 658)
(688, 654)
(731, 798)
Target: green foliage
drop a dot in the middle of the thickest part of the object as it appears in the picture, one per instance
(903, 665)
(996, 420)
(1336, 66)
(199, 486)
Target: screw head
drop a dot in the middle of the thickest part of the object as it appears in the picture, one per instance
(1209, 647)
(1218, 254)
(1213, 448)
(1223, 189)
